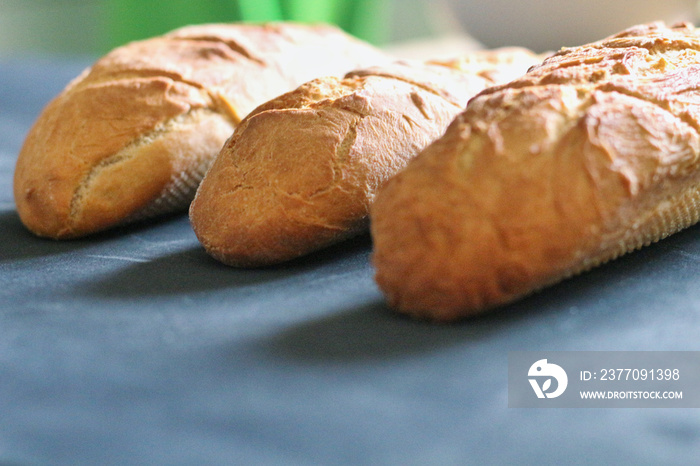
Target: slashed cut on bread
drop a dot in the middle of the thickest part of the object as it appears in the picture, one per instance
(133, 135)
(590, 155)
(301, 171)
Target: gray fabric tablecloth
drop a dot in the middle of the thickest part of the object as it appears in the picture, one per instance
(135, 347)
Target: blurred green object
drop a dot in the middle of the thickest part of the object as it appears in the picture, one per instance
(129, 20)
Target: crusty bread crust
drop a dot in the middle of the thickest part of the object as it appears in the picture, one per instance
(133, 135)
(592, 154)
(301, 171)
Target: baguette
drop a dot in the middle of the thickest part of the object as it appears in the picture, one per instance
(132, 136)
(590, 155)
(300, 171)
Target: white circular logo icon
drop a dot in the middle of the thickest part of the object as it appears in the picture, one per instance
(545, 372)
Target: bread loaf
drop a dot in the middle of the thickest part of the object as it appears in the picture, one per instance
(300, 171)
(590, 155)
(132, 136)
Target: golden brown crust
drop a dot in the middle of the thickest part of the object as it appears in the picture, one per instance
(592, 154)
(133, 135)
(301, 171)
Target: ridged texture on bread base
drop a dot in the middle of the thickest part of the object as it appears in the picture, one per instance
(589, 156)
(133, 135)
(300, 171)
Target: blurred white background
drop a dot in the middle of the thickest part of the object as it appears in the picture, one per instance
(77, 26)
(548, 25)
(50, 26)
